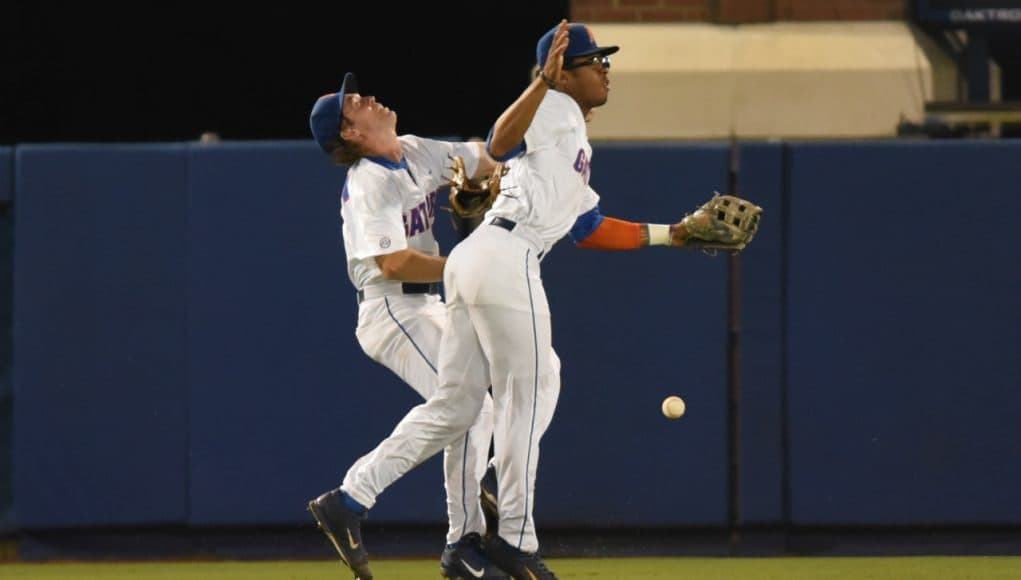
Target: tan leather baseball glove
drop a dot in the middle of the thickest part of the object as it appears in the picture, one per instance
(468, 199)
(725, 222)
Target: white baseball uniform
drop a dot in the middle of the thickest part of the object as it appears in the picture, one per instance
(498, 329)
(387, 207)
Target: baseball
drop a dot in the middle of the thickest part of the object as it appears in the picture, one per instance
(673, 407)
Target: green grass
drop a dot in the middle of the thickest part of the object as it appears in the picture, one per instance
(915, 568)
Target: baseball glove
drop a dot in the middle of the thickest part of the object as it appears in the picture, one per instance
(725, 222)
(468, 199)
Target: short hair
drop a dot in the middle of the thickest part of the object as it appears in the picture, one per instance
(345, 153)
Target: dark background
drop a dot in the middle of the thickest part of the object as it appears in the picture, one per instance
(156, 72)
(168, 72)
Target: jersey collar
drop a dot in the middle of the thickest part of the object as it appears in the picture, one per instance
(402, 164)
(571, 104)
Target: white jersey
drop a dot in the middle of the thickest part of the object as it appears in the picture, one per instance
(546, 188)
(387, 206)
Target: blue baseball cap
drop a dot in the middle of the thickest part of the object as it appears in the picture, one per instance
(580, 42)
(327, 113)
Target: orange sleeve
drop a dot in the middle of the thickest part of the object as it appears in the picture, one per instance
(614, 234)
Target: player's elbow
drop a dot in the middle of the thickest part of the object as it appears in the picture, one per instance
(505, 151)
(496, 149)
(501, 144)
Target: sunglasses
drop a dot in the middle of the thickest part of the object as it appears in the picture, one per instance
(596, 59)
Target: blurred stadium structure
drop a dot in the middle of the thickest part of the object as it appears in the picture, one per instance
(801, 69)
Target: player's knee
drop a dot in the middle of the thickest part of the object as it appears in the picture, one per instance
(463, 419)
(459, 417)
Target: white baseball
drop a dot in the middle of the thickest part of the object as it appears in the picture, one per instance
(673, 407)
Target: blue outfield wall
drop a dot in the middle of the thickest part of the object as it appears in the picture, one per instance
(627, 337)
(760, 339)
(100, 365)
(269, 316)
(185, 351)
(6, 281)
(905, 332)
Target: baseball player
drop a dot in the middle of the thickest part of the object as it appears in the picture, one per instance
(497, 307)
(388, 206)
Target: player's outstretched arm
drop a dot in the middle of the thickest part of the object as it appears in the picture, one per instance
(511, 126)
(409, 265)
(595, 231)
(725, 222)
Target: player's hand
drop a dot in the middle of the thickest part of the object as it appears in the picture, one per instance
(678, 235)
(555, 60)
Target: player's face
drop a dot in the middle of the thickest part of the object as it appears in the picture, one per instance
(365, 114)
(588, 80)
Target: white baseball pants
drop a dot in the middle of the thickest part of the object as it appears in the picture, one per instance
(498, 333)
(403, 333)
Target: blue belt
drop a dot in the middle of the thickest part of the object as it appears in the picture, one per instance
(504, 223)
(509, 225)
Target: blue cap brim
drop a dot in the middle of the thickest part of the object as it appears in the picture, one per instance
(604, 50)
(350, 85)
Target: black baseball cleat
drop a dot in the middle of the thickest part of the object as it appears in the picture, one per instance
(487, 497)
(464, 561)
(520, 565)
(343, 526)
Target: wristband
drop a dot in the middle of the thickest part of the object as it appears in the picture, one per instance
(548, 81)
(659, 234)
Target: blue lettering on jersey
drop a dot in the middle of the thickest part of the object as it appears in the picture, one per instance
(421, 217)
(417, 222)
(581, 165)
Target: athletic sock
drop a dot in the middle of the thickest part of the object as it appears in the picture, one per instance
(353, 505)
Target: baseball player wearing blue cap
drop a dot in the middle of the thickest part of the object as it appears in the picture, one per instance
(543, 139)
(499, 317)
(388, 207)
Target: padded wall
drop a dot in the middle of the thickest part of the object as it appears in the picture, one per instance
(632, 328)
(101, 396)
(760, 339)
(6, 282)
(905, 379)
(184, 331)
